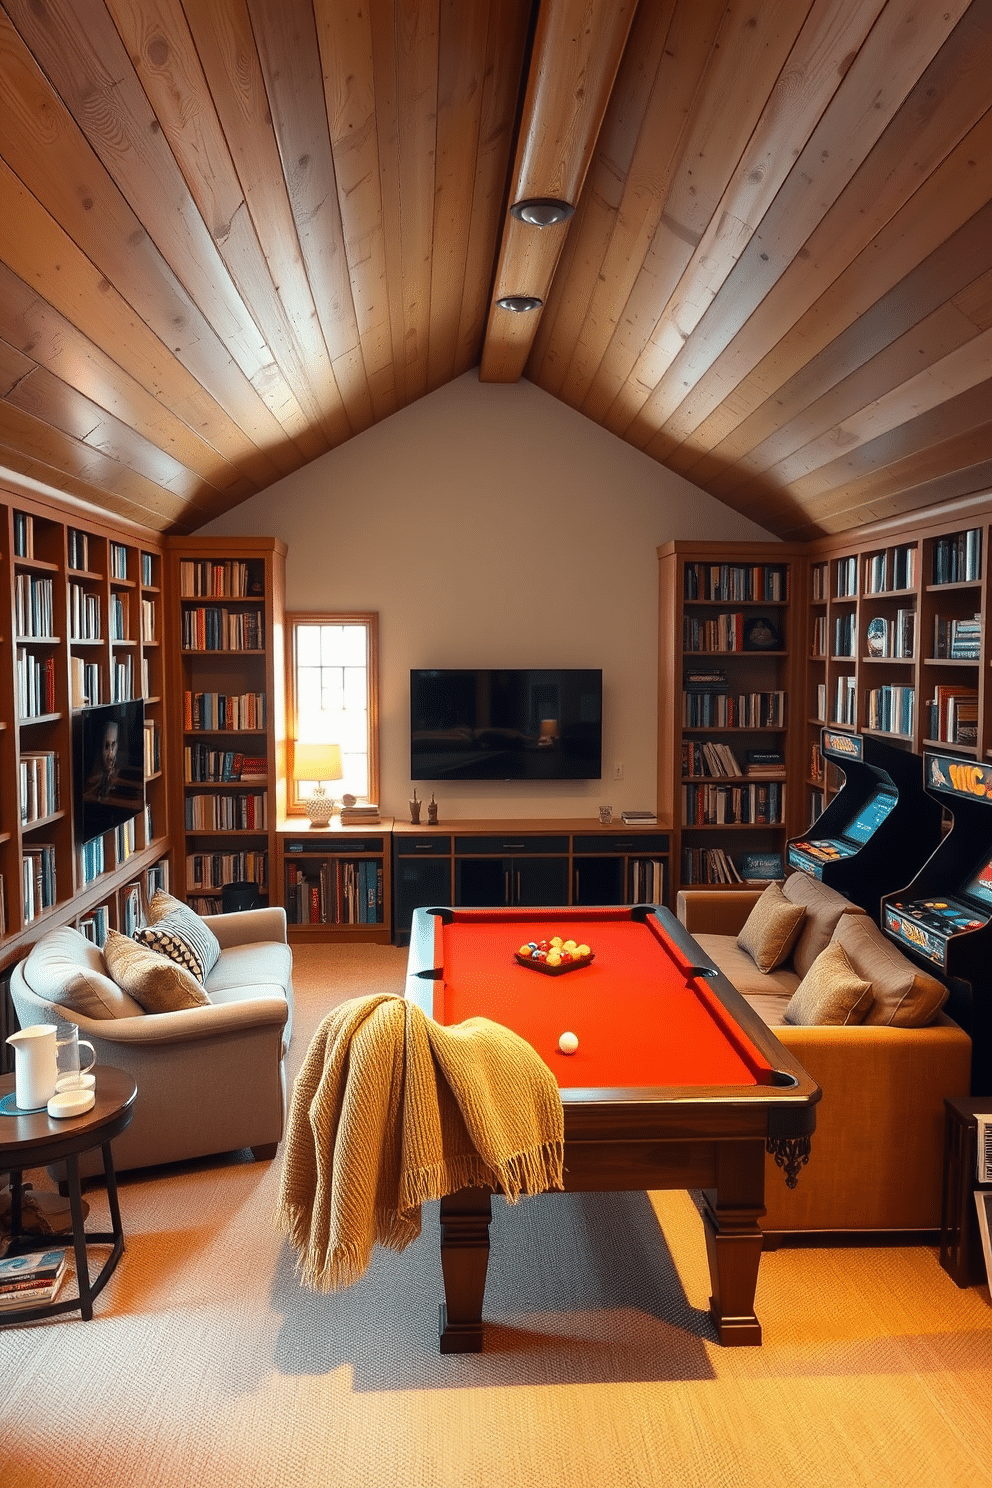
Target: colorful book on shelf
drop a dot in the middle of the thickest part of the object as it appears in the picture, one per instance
(756, 866)
(254, 767)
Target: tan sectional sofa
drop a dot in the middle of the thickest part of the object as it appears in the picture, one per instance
(877, 1154)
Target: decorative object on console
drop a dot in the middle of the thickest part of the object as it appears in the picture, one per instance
(415, 806)
(432, 812)
(317, 763)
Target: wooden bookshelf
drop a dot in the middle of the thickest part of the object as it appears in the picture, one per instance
(227, 771)
(55, 568)
(727, 689)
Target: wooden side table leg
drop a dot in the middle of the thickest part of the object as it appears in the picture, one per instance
(79, 1236)
(465, 1220)
(734, 1240)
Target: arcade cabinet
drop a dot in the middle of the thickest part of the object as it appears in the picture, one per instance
(943, 919)
(880, 827)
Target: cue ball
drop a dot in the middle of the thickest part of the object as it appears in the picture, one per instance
(568, 1043)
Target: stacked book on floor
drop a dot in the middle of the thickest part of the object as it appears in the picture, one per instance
(32, 1279)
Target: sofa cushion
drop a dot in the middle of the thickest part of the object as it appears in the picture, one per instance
(903, 995)
(776, 987)
(158, 984)
(770, 930)
(262, 966)
(67, 969)
(831, 992)
(185, 939)
(824, 907)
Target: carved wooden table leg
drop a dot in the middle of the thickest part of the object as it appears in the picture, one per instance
(465, 1219)
(733, 1240)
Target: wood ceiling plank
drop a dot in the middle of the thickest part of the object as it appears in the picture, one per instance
(49, 399)
(798, 94)
(49, 446)
(873, 92)
(906, 497)
(464, 33)
(14, 366)
(576, 54)
(17, 461)
(953, 200)
(37, 250)
(30, 323)
(344, 34)
(759, 437)
(976, 301)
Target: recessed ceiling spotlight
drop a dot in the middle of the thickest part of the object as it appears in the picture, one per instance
(542, 211)
(519, 303)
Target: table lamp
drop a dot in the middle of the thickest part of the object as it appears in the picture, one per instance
(318, 762)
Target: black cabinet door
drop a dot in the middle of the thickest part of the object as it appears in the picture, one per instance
(599, 881)
(539, 880)
(495, 882)
(416, 882)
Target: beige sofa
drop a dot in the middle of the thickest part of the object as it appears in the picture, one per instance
(877, 1154)
(210, 1079)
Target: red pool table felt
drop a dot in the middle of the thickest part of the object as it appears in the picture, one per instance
(640, 1017)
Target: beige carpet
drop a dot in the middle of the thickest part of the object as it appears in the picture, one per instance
(207, 1365)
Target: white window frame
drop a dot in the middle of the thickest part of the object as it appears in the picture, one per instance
(316, 730)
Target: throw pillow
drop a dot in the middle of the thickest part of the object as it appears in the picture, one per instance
(771, 929)
(66, 969)
(157, 983)
(830, 992)
(181, 935)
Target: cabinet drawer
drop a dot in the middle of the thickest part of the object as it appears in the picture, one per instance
(422, 847)
(623, 842)
(514, 842)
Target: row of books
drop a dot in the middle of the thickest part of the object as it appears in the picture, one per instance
(148, 620)
(736, 582)
(711, 865)
(84, 682)
(205, 628)
(211, 871)
(122, 680)
(845, 629)
(845, 700)
(152, 748)
(118, 561)
(724, 632)
(202, 763)
(33, 606)
(342, 891)
(213, 711)
(647, 880)
(230, 579)
(846, 578)
(891, 710)
(40, 784)
(38, 873)
(954, 715)
(35, 685)
(245, 812)
(77, 548)
(709, 759)
(717, 805)
(892, 637)
(747, 710)
(32, 1279)
(23, 535)
(957, 559)
(84, 614)
(120, 617)
(957, 640)
(891, 570)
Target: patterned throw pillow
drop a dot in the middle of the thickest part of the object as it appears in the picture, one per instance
(831, 992)
(156, 983)
(185, 939)
(771, 929)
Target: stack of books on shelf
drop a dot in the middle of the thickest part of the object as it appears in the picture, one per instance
(764, 762)
(954, 715)
(359, 815)
(639, 818)
(957, 559)
(31, 1280)
(957, 640)
(710, 758)
(710, 865)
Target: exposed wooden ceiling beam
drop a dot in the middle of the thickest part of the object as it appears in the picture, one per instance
(576, 55)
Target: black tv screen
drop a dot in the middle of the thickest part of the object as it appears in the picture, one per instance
(507, 724)
(109, 766)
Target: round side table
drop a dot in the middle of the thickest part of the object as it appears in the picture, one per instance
(34, 1140)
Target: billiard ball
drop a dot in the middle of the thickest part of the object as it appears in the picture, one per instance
(568, 1043)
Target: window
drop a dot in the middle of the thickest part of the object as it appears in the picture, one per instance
(334, 699)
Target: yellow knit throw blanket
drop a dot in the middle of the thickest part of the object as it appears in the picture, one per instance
(391, 1109)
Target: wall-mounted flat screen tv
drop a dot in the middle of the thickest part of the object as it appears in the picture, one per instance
(109, 767)
(476, 723)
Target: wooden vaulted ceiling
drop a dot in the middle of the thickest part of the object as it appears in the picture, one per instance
(234, 233)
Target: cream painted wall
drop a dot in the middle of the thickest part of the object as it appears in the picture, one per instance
(494, 526)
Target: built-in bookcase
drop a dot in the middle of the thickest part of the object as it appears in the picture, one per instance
(227, 777)
(898, 639)
(71, 595)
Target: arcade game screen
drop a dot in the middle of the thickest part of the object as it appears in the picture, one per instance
(856, 832)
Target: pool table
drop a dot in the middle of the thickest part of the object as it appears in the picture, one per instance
(676, 1082)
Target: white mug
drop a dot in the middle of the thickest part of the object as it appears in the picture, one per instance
(73, 1073)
